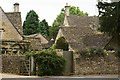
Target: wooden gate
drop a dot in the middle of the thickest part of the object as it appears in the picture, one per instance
(25, 67)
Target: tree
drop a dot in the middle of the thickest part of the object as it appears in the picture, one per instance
(60, 18)
(109, 16)
(44, 28)
(76, 11)
(30, 25)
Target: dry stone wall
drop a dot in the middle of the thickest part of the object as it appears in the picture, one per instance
(12, 64)
(97, 65)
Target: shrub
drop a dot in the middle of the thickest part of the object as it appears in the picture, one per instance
(100, 52)
(62, 44)
(117, 53)
(92, 52)
(85, 53)
(49, 63)
(53, 46)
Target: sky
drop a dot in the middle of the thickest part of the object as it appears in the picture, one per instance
(48, 9)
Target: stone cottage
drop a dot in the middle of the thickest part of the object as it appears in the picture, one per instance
(38, 42)
(81, 32)
(11, 33)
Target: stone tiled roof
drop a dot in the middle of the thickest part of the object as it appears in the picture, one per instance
(15, 18)
(75, 35)
(39, 36)
(80, 35)
(96, 40)
(84, 37)
(38, 42)
(80, 21)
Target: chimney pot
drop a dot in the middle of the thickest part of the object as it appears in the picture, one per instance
(16, 7)
(66, 4)
(67, 9)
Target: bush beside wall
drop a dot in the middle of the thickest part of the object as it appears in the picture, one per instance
(48, 62)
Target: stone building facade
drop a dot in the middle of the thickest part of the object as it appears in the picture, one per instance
(81, 32)
(11, 33)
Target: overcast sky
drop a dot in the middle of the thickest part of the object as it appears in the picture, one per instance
(49, 9)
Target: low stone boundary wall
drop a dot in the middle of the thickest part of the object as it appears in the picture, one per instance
(11, 64)
(84, 66)
(97, 65)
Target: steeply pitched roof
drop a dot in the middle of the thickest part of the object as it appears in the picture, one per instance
(15, 18)
(37, 41)
(74, 35)
(84, 37)
(38, 35)
(80, 33)
(9, 35)
(96, 40)
(80, 21)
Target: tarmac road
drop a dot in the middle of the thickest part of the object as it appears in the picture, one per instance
(4, 76)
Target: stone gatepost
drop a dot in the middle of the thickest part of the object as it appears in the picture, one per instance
(32, 63)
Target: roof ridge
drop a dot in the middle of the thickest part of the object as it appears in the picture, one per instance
(12, 12)
(80, 16)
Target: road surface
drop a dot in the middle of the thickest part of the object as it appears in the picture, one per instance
(5, 76)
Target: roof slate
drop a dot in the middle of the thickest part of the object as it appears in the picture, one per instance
(80, 21)
(39, 36)
(81, 35)
(15, 18)
(38, 42)
(96, 40)
(75, 34)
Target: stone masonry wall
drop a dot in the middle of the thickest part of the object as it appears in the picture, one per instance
(12, 64)
(97, 65)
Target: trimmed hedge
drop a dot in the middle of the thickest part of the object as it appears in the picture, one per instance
(62, 44)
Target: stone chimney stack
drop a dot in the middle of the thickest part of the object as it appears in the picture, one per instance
(66, 15)
(16, 7)
(67, 9)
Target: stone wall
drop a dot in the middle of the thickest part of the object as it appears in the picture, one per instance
(68, 56)
(97, 65)
(12, 64)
